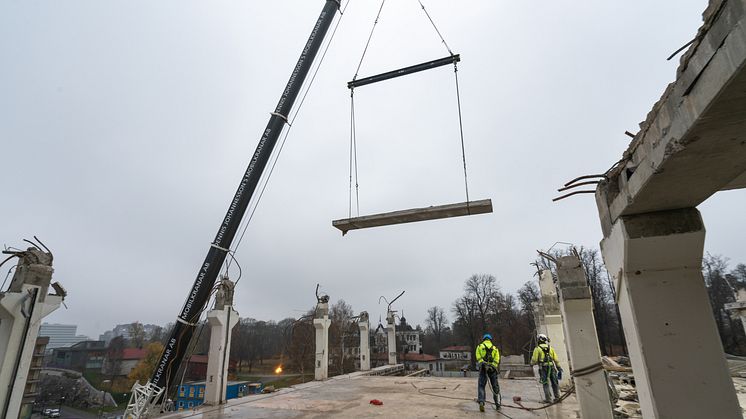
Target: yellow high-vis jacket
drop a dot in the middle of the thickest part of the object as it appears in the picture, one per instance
(539, 358)
(481, 353)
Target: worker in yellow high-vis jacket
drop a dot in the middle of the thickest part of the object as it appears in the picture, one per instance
(488, 360)
(549, 367)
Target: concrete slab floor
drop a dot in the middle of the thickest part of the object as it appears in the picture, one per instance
(408, 397)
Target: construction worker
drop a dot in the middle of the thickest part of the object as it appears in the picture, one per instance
(549, 368)
(488, 359)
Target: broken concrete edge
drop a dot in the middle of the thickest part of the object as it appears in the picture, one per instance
(461, 209)
(719, 38)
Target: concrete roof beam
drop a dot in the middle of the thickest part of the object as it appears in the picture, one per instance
(693, 142)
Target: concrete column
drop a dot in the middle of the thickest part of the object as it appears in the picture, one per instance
(391, 334)
(222, 320)
(553, 322)
(655, 260)
(221, 323)
(321, 323)
(576, 305)
(364, 325)
(739, 307)
(22, 309)
(538, 313)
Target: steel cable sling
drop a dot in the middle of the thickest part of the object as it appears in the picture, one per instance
(451, 59)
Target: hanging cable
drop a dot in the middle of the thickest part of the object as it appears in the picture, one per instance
(367, 44)
(353, 156)
(461, 131)
(282, 143)
(435, 27)
(353, 133)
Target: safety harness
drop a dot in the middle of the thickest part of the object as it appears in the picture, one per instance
(548, 360)
(488, 357)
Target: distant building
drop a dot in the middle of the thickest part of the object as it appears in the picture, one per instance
(379, 341)
(408, 339)
(31, 391)
(122, 362)
(86, 355)
(456, 353)
(123, 330)
(61, 335)
(412, 361)
(196, 368)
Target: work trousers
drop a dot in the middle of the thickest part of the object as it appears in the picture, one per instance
(548, 375)
(484, 374)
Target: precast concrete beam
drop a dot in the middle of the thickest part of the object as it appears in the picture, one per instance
(414, 215)
(693, 142)
(680, 370)
(553, 321)
(582, 341)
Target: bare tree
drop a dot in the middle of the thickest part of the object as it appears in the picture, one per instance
(436, 322)
(113, 361)
(342, 333)
(482, 289)
(466, 324)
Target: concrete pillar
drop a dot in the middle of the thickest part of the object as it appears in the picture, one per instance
(22, 309)
(222, 320)
(364, 325)
(655, 260)
(576, 305)
(391, 335)
(538, 313)
(553, 322)
(321, 323)
(739, 307)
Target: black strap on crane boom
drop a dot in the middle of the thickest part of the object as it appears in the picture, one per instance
(199, 294)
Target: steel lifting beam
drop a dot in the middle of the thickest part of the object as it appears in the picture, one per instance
(404, 71)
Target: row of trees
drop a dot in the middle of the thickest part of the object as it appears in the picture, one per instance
(722, 284)
(483, 307)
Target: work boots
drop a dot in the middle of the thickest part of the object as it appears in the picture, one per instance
(481, 406)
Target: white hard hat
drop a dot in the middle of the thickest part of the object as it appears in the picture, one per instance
(543, 338)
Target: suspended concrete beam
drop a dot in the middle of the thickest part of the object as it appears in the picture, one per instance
(655, 261)
(404, 71)
(414, 215)
(553, 322)
(576, 304)
(693, 142)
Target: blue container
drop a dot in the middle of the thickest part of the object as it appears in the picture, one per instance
(191, 395)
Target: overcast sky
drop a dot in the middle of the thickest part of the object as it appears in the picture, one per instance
(125, 127)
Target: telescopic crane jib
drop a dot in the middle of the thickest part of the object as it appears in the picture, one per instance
(145, 399)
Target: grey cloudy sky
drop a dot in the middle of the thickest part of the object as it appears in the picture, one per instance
(125, 127)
